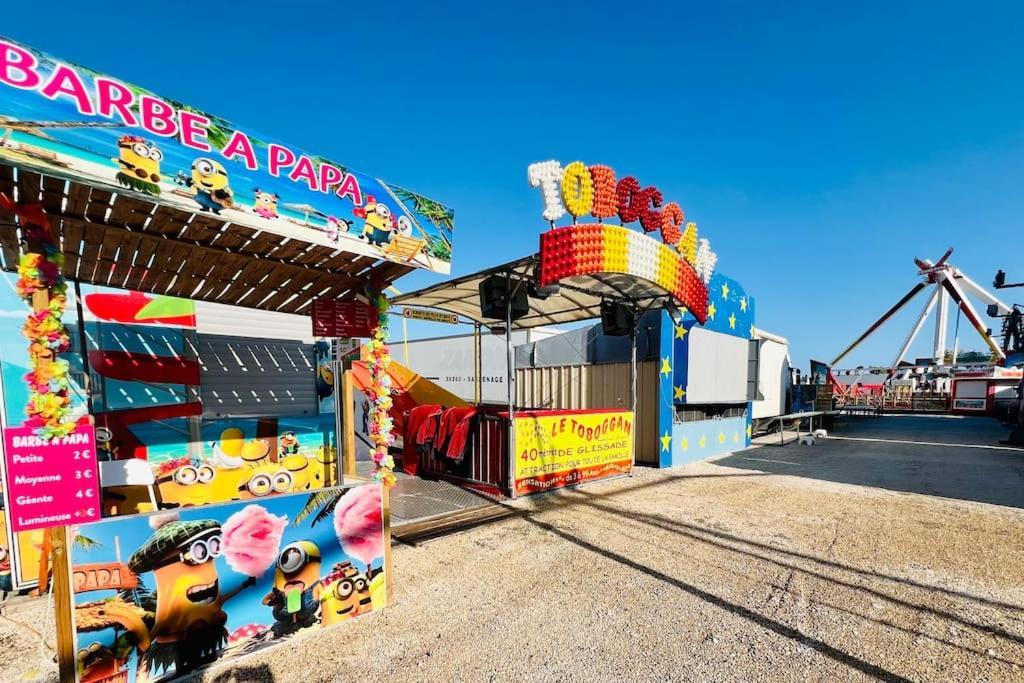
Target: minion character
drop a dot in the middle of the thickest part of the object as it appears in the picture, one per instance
(255, 451)
(191, 484)
(379, 222)
(325, 471)
(210, 182)
(345, 593)
(295, 597)
(188, 628)
(138, 164)
(298, 466)
(288, 444)
(324, 381)
(228, 451)
(266, 204)
(265, 479)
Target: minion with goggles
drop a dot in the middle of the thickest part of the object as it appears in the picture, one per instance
(196, 484)
(209, 179)
(295, 597)
(188, 618)
(345, 593)
(138, 164)
(264, 480)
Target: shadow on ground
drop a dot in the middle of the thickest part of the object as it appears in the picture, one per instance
(938, 455)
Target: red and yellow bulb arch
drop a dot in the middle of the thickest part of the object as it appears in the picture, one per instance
(681, 263)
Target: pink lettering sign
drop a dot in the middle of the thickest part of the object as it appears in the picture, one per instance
(51, 483)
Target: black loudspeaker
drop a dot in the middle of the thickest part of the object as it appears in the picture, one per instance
(617, 319)
(494, 294)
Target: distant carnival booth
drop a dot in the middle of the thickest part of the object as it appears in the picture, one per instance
(171, 436)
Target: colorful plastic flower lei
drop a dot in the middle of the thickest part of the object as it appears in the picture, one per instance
(381, 426)
(49, 404)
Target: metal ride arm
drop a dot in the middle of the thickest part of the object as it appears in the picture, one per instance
(951, 286)
(972, 287)
(915, 330)
(878, 323)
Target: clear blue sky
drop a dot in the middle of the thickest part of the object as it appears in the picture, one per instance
(820, 148)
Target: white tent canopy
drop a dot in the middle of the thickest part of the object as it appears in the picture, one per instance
(578, 298)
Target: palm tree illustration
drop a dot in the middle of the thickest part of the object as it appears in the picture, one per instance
(435, 212)
(320, 505)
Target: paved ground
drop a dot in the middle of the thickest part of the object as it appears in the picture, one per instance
(941, 455)
(736, 570)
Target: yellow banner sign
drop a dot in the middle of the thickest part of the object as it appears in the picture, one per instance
(431, 316)
(568, 447)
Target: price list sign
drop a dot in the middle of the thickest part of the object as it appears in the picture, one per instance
(345, 318)
(51, 483)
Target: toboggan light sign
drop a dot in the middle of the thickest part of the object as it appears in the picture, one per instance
(560, 448)
(681, 264)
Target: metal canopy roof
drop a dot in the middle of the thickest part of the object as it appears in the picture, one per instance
(579, 298)
(120, 241)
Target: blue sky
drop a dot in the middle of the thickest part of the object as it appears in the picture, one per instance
(820, 147)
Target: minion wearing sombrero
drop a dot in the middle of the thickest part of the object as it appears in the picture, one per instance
(295, 597)
(189, 622)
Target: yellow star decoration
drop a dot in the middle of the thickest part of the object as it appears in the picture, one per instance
(743, 303)
(749, 430)
(666, 442)
(679, 393)
(703, 440)
(680, 331)
(712, 310)
(752, 335)
(666, 367)
(721, 437)
(725, 291)
(685, 443)
(735, 437)
(732, 321)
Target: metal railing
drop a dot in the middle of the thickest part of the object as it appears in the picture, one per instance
(484, 461)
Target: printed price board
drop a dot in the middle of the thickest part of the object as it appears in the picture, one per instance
(346, 318)
(51, 483)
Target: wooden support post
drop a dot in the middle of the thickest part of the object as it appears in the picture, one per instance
(62, 604)
(348, 421)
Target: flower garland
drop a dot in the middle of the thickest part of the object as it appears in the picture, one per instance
(381, 426)
(40, 269)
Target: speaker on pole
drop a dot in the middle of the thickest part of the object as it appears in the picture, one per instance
(494, 296)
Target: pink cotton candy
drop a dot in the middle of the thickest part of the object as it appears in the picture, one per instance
(252, 540)
(358, 523)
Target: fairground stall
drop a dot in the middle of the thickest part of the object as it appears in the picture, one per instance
(173, 456)
(666, 378)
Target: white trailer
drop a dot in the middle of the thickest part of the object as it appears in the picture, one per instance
(449, 361)
(773, 375)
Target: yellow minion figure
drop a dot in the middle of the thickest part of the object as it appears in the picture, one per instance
(209, 179)
(255, 451)
(189, 622)
(325, 471)
(345, 594)
(298, 466)
(264, 480)
(138, 163)
(295, 597)
(191, 484)
(380, 223)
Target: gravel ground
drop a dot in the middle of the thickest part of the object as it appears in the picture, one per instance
(705, 572)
